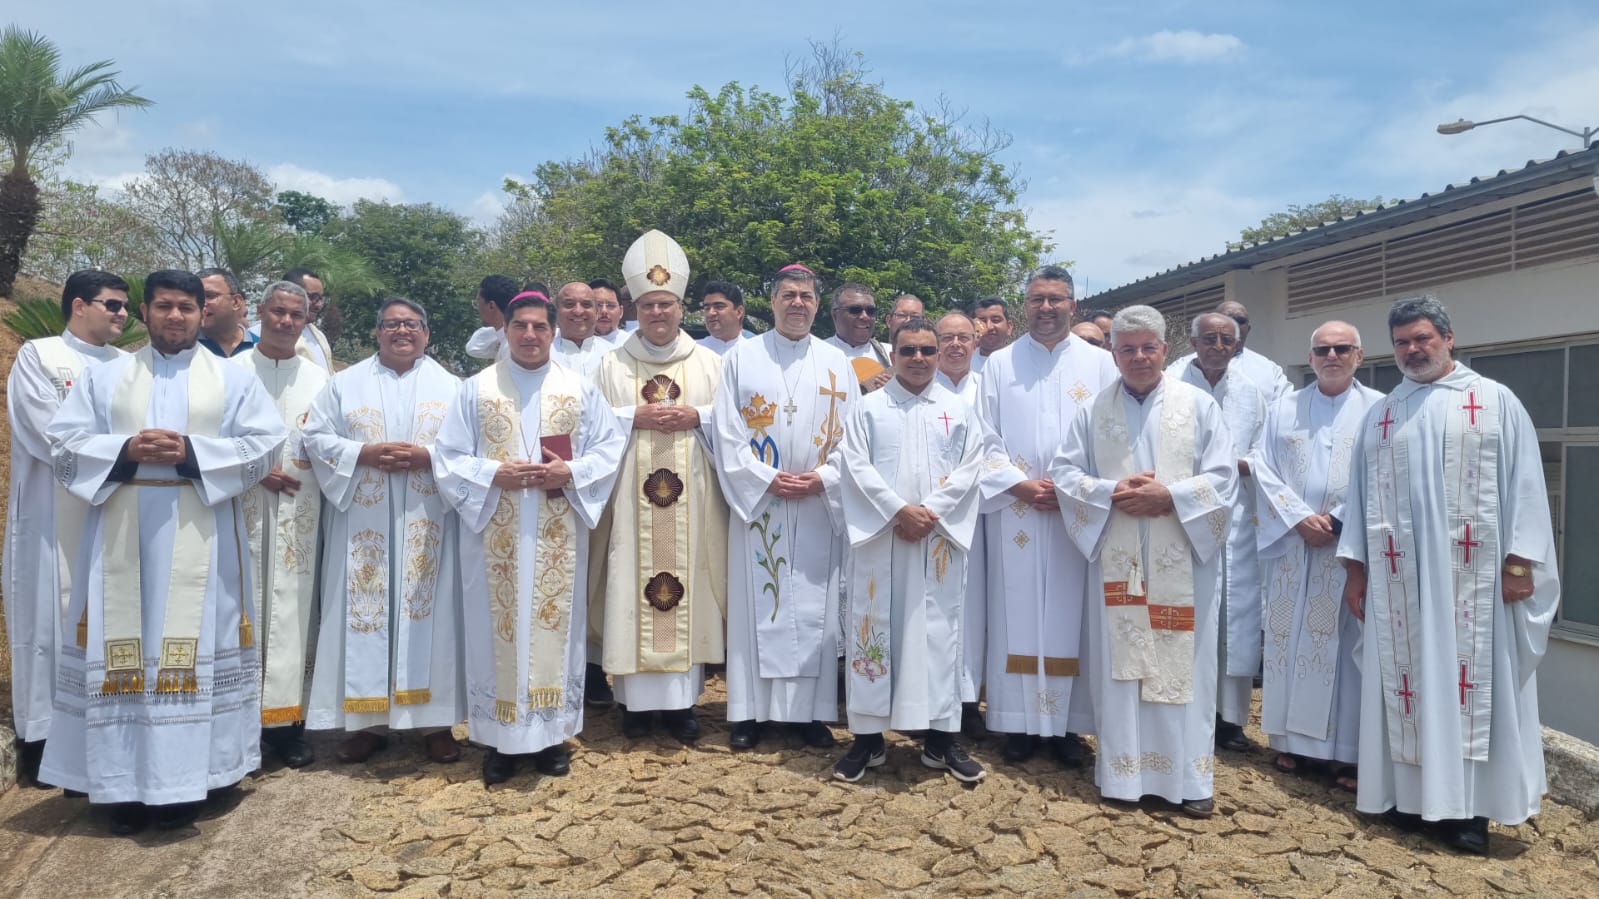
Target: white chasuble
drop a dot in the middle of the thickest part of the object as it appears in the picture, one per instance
(781, 406)
(1310, 695)
(388, 651)
(160, 699)
(904, 639)
(1028, 397)
(1151, 739)
(524, 552)
(659, 573)
(44, 523)
(974, 627)
(1447, 482)
(284, 541)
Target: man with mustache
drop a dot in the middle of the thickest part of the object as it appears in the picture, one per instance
(1451, 566)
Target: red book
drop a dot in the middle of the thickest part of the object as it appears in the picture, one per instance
(560, 445)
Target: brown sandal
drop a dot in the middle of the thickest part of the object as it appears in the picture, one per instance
(360, 746)
(1346, 779)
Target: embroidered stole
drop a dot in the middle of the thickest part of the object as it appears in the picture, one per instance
(554, 578)
(292, 543)
(1470, 470)
(62, 364)
(1313, 577)
(1149, 611)
(665, 565)
(367, 681)
(122, 544)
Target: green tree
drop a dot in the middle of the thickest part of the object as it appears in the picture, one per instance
(305, 213)
(836, 174)
(418, 251)
(39, 103)
(80, 227)
(1297, 218)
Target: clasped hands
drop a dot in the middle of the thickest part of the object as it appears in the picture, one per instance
(550, 474)
(395, 456)
(280, 481)
(914, 522)
(157, 446)
(795, 486)
(664, 417)
(1141, 495)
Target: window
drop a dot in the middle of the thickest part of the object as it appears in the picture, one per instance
(1579, 581)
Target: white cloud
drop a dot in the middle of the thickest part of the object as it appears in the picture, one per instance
(1170, 46)
(485, 209)
(343, 191)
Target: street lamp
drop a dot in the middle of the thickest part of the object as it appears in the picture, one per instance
(1460, 126)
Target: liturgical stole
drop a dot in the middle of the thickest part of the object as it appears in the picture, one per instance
(122, 589)
(499, 417)
(1149, 613)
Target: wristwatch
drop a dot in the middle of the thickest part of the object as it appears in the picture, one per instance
(1517, 570)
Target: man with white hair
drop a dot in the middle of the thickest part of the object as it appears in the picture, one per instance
(1244, 409)
(1266, 374)
(1145, 478)
(1310, 701)
(281, 515)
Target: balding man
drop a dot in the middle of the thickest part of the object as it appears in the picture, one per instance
(1310, 701)
(576, 314)
(957, 344)
(1244, 409)
(1091, 334)
(1266, 374)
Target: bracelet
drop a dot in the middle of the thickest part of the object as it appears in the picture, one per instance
(1517, 570)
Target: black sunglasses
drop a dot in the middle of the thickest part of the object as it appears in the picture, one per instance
(1342, 349)
(111, 306)
(859, 310)
(916, 351)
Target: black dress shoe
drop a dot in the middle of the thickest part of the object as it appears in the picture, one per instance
(972, 724)
(554, 761)
(682, 725)
(1464, 835)
(636, 725)
(29, 754)
(176, 816)
(289, 745)
(1405, 821)
(1199, 808)
(498, 767)
(596, 690)
(817, 735)
(1231, 736)
(73, 794)
(745, 734)
(1020, 747)
(129, 817)
(1068, 750)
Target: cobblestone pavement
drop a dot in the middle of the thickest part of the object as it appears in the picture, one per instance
(648, 817)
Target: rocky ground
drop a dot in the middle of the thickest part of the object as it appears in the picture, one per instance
(639, 817)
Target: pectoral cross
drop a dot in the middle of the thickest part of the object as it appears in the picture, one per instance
(1404, 692)
(946, 420)
(1464, 683)
(1472, 407)
(1387, 421)
(1467, 543)
(789, 410)
(1393, 555)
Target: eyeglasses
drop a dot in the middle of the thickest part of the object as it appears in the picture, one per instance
(859, 310)
(315, 297)
(1341, 349)
(111, 306)
(1214, 339)
(1242, 320)
(400, 324)
(909, 351)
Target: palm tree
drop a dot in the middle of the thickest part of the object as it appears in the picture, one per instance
(38, 103)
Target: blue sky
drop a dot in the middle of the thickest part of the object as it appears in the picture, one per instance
(1148, 134)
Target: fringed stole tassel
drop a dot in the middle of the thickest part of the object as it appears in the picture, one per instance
(413, 697)
(367, 704)
(288, 714)
(505, 711)
(176, 680)
(544, 697)
(122, 682)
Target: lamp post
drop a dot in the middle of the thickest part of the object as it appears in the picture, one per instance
(1460, 126)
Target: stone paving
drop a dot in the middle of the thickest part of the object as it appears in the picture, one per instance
(648, 817)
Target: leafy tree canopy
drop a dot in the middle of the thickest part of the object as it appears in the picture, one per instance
(305, 213)
(1297, 218)
(836, 174)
